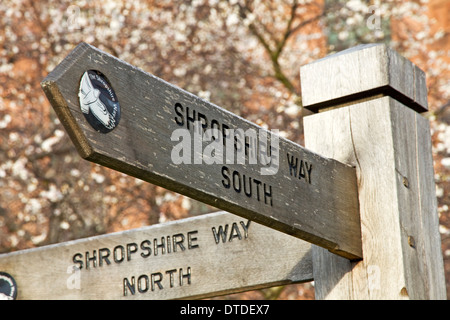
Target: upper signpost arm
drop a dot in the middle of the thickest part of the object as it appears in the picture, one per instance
(298, 192)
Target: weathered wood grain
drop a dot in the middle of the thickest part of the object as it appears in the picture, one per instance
(311, 197)
(198, 257)
(371, 94)
(390, 146)
(361, 73)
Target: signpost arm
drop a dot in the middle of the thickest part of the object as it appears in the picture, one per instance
(198, 257)
(157, 140)
(374, 125)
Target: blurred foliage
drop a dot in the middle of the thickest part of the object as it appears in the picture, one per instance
(243, 55)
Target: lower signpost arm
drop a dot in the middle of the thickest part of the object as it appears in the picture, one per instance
(200, 257)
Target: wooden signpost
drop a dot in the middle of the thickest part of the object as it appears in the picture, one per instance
(367, 203)
(199, 257)
(299, 193)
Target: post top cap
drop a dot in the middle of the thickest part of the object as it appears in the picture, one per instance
(361, 73)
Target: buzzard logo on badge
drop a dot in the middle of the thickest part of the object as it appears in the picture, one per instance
(98, 101)
(8, 287)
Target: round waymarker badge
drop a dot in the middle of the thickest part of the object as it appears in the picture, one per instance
(8, 287)
(98, 101)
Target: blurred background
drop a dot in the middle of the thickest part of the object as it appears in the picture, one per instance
(242, 55)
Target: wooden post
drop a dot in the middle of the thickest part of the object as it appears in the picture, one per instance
(372, 96)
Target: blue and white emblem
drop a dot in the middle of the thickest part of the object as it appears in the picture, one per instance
(8, 287)
(98, 101)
